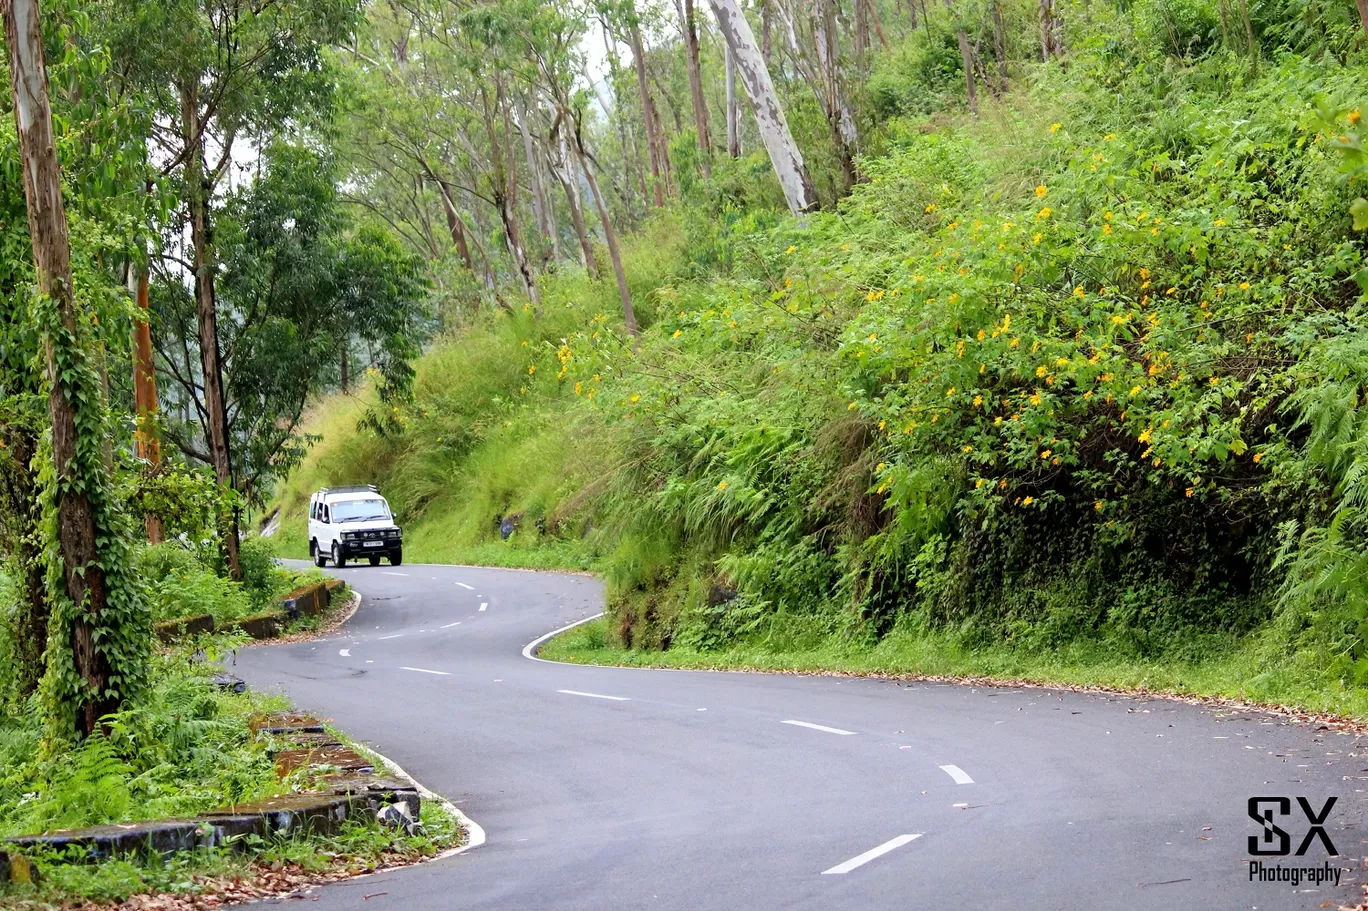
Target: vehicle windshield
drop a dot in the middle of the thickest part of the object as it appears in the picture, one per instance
(359, 510)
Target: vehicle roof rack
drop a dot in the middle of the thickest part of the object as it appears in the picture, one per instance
(355, 488)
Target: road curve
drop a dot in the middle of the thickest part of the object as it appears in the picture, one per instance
(622, 788)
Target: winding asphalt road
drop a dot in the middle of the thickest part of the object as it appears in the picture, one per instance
(620, 788)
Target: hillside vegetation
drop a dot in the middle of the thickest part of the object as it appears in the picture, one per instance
(1071, 389)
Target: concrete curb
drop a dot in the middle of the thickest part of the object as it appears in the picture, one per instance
(475, 833)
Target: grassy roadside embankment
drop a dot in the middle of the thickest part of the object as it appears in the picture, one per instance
(1068, 392)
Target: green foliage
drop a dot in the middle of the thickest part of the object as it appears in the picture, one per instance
(1082, 379)
(184, 748)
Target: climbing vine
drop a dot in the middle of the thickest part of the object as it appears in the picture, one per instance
(121, 631)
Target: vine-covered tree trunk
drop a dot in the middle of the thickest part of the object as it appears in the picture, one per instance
(769, 114)
(700, 106)
(206, 314)
(146, 438)
(97, 610)
(22, 529)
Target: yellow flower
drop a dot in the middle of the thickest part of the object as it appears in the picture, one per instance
(968, 448)
(1079, 292)
(578, 387)
(1258, 457)
(1244, 286)
(1027, 501)
(721, 485)
(1041, 191)
(677, 333)
(1189, 491)
(978, 400)
(636, 396)
(949, 392)
(1037, 238)
(1041, 371)
(1354, 116)
(930, 207)
(1054, 128)
(790, 250)
(978, 484)
(1044, 213)
(1035, 398)
(1098, 506)
(850, 407)
(1046, 454)
(1220, 222)
(1135, 390)
(531, 370)
(1106, 229)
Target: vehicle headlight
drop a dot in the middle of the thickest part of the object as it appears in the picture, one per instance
(349, 536)
(392, 533)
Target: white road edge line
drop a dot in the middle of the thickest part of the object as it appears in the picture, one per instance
(384, 573)
(862, 859)
(821, 727)
(423, 670)
(395, 636)
(957, 773)
(469, 588)
(484, 604)
(475, 833)
(594, 695)
(344, 652)
(530, 649)
(450, 625)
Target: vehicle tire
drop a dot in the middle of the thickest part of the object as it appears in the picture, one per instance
(338, 560)
(319, 558)
(374, 561)
(397, 558)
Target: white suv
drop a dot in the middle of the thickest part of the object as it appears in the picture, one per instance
(353, 522)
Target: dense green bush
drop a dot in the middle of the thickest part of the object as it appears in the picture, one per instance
(185, 749)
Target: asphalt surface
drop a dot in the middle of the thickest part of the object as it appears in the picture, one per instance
(729, 790)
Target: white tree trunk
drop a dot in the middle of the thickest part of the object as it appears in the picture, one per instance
(769, 115)
(733, 112)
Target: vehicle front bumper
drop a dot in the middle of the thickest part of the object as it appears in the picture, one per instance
(375, 547)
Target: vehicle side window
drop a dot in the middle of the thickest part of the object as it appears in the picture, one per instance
(323, 510)
(313, 510)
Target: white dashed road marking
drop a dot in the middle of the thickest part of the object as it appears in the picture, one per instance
(594, 695)
(450, 625)
(423, 670)
(822, 727)
(395, 636)
(384, 573)
(469, 588)
(484, 605)
(345, 653)
(873, 853)
(957, 773)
